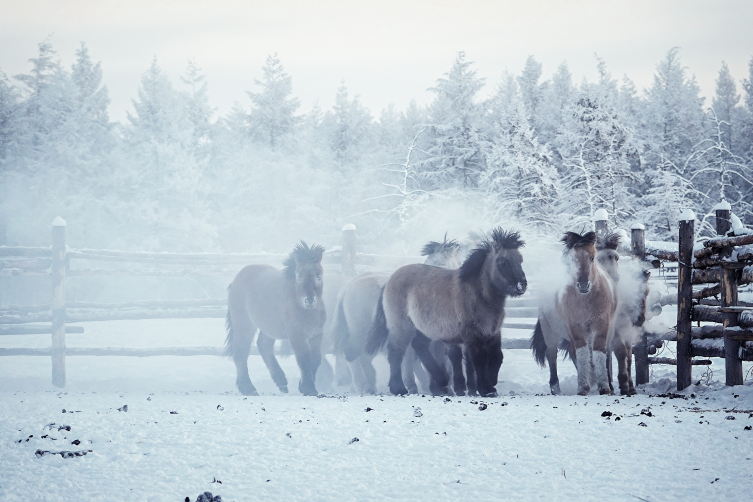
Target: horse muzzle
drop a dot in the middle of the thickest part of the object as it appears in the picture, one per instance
(309, 302)
(518, 289)
(583, 288)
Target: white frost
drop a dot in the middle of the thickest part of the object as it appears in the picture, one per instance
(349, 226)
(638, 226)
(58, 222)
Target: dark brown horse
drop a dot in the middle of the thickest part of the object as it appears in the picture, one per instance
(355, 308)
(422, 303)
(283, 305)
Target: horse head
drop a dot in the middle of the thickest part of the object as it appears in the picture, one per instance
(507, 273)
(607, 255)
(304, 266)
(444, 254)
(581, 250)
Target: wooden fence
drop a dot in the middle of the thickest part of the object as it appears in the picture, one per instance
(55, 262)
(719, 266)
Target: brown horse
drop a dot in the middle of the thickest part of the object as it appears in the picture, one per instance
(284, 305)
(550, 333)
(422, 303)
(582, 312)
(355, 308)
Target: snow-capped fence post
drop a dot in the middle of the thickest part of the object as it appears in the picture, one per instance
(601, 222)
(349, 249)
(685, 298)
(733, 363)
(58, 302)
(638, 248)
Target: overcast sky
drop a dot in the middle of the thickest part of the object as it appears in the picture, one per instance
(387, 51)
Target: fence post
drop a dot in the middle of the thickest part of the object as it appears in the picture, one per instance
(638, 248)
(601, 223)
(728, 284)
(349, 249)
(685, 298)
(58, 302)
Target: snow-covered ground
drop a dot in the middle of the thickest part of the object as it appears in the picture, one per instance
(186, 426)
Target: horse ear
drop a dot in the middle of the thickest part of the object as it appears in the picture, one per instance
(646, 274)
(570, 239)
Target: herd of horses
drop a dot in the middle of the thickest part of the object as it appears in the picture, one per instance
(440, 320)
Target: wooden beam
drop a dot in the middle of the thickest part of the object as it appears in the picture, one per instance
(37, 330)
(667, 360)
(722, 242)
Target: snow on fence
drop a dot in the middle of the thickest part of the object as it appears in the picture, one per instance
(725, 262)
(55, 262)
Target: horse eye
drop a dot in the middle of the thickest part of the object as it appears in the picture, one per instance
(592, 258)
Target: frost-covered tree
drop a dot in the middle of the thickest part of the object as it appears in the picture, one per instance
(273, 112)
(456, 154)
(197, 104)
(595, 146)
(725, 108)
(9, 117)
(520, 180)
(674, 113)
(555, 98)
(530, 89)
(349, 127)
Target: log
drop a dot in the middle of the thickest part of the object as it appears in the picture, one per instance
(685, 302)
(722, 242)
(28, 252)
(37, 330)
(516, 343)
(668, 360)
(513, 325)
(57, 309)
(26, 264)
(518, 312)
(116, 351)
(702, 253)
(711, 261)
(147, 256)
(121, 315)
(746, 276)
(154, 272)
(522, 302)
(706, 292)
(14, 272)
(745, 353)
(707, 275)
(662, 254)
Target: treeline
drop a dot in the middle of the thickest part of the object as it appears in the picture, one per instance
(540, 154)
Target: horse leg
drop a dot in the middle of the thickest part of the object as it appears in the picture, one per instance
(609, 368)
(439, 377)
(582, 352)
(455, 353)
(266, 346)
(599, 359)
(369, 373)
(478, 349)
(240, 346)
(395, 355)
(305, 361)
(470, 372)
(423, 380)
(315, 345)
(342, 371)
(495, 359)
(409, 378)
(554, 380)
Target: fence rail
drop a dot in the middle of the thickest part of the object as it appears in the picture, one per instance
(55, 262)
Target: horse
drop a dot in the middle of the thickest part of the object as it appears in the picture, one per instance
(284, 305)
(581, 313)
(421, 303)
(355, 307)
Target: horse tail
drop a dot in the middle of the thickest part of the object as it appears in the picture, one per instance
(228, 352)
(538, 345)
(564, 348)
(378, 331)
(337, 331)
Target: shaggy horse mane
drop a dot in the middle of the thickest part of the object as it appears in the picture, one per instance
(504, 239)
(574, 239)
(609, 241)
(302, 253)
(433, 247)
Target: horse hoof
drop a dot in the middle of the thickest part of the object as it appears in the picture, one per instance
(247, 388)
(555, 389)
(307, 390)
(605, 391)
(398, 391)
(584, 391)
(460, 393)
(492, 393)
(284, 389)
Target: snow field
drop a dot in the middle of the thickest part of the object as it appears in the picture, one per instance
(278, 447)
